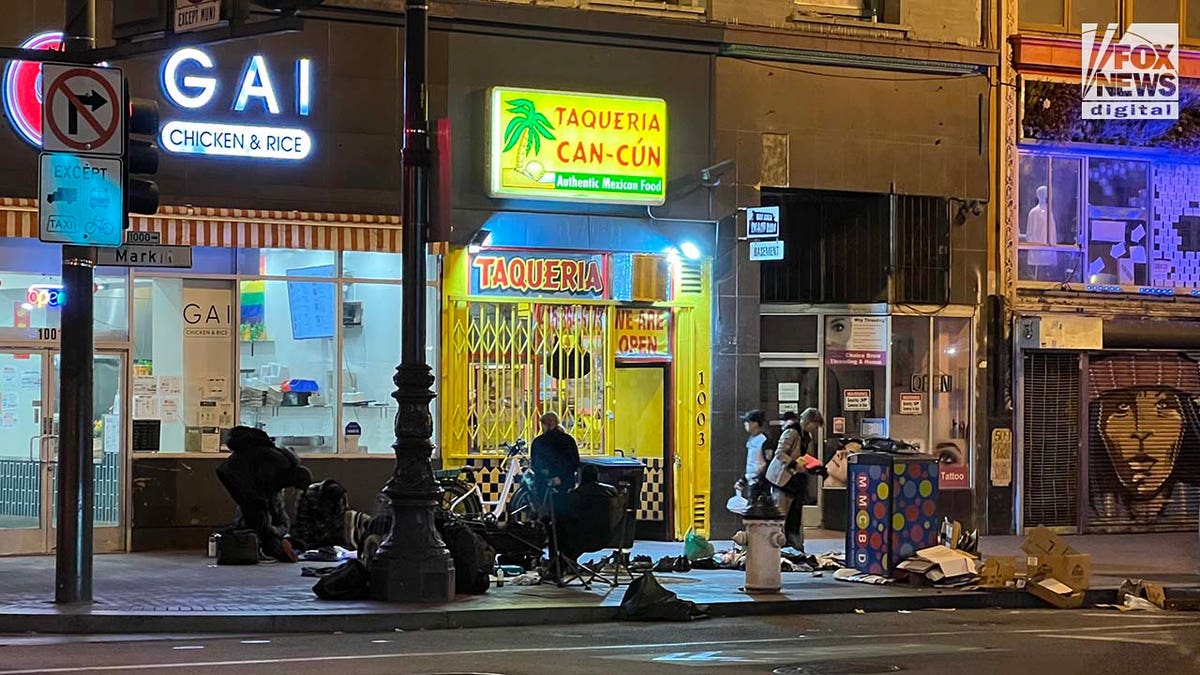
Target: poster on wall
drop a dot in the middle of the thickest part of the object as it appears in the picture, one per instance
(856, 400)
(856, 341)
(912, 404)
(643, 333)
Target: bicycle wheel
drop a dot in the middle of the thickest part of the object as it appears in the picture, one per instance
(468, 507)
(520, 507)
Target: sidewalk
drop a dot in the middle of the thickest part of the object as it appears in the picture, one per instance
(187, 593)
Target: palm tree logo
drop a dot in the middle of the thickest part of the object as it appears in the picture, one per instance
(525, 132)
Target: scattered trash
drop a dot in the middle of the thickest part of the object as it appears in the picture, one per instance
(941, 565)
(532, 578)
(1149, 596)
(854, 576)
(859, 611)
(818, 574)
(647, 600)
(951, 535)
(696, 546)
(903, 611)
(1056, 573)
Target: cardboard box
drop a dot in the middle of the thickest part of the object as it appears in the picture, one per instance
(998, 572)
(1056, 593)
(1048, 554)
(950, 563)
(1074, 570)
(1042, 542)
(1174, 599)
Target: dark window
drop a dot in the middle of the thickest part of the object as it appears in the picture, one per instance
(836, 247)
(788, 333)
(922, 250)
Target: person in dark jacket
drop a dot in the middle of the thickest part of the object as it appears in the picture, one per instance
(255, 475)
(554, 455)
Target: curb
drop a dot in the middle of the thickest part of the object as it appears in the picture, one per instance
(116, 622)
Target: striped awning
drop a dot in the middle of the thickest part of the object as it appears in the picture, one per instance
(239, 228)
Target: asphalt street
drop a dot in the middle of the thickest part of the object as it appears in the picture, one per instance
(1094, 642)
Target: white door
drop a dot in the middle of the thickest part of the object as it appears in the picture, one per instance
(29, 430)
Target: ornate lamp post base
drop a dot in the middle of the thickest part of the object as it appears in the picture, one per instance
(412, 564)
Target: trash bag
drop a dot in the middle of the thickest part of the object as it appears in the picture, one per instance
(473, 557)
(647, 600)
(696, 546)
(348, 581)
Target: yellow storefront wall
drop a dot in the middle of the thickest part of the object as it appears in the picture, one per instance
(512, 326)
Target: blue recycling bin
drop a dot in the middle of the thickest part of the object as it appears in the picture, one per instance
(891, 508)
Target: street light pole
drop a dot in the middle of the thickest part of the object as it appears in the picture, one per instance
(412, 564)
(76, 491)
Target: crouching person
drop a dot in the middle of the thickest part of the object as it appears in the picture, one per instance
(255, 475)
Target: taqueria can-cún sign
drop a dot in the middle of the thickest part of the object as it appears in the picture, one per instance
(564, 146)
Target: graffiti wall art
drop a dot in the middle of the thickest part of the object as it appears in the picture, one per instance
(1144, 451)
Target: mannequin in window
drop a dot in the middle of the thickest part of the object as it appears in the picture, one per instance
(1041, 230)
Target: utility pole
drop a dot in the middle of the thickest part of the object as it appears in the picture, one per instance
(76, 489)
(412, 564)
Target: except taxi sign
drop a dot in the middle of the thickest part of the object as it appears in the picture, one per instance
(80, 200)
(81, 109)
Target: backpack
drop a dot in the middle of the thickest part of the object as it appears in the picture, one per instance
(769, 447)
(348, 581)
(237, 547)
(473, 557)
(321, 515)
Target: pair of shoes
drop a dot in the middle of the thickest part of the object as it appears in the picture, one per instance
(641, 563)
(677, 564)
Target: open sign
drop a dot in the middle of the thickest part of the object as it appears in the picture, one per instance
(45, 296)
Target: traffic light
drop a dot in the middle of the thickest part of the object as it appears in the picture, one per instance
(141, 155)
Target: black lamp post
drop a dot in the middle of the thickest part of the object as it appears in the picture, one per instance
(412, 564)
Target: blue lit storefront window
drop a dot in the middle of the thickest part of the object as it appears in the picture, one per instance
(1107, 223)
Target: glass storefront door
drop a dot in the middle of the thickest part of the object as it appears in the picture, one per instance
(29, 431)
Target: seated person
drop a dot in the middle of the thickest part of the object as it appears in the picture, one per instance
(594, 511)
(255, 475)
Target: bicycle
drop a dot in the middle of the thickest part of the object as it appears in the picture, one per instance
(462, 496)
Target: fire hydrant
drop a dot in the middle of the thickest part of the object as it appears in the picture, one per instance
(763, 538)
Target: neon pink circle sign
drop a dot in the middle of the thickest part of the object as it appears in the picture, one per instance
(23, 89)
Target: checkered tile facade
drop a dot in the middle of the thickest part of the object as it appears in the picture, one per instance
(654, 492)
(654, 505)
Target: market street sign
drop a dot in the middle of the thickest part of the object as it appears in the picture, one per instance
(80, 199)
(766, 250)
(564, 146)
(762, 222)
(134, 255)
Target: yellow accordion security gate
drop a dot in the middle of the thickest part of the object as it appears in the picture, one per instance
(526, 359)
(507, 359)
